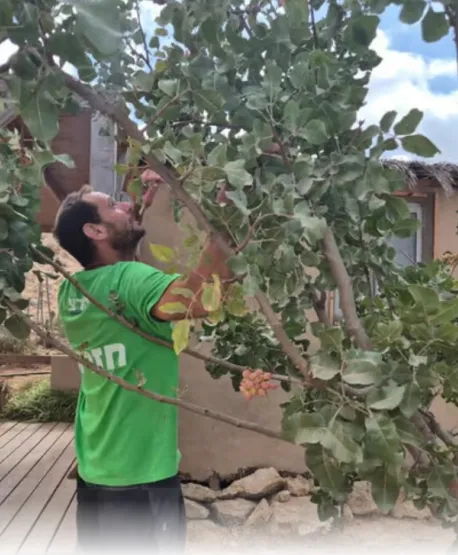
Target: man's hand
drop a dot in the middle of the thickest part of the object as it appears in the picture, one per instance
(151, 181)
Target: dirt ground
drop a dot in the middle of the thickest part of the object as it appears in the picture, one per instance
(375, 534)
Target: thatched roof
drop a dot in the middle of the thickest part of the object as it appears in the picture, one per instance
(443, 174)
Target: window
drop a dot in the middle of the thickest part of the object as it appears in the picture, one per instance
(411, 250)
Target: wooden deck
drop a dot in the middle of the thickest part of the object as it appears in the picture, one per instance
(37, 501)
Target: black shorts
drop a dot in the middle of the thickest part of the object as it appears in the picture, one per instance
(146, 518)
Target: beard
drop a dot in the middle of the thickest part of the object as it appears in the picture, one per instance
(125, 241)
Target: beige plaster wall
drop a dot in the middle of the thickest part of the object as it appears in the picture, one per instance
(445, 239)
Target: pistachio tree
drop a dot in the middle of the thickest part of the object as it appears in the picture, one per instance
(249, 111)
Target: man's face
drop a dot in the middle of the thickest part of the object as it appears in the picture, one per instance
(119, 228)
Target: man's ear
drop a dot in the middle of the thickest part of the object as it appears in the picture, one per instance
(96, 232)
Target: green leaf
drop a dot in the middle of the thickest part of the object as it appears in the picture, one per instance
(386, 398)
(411, 401)
(299, 74)
(427, 299)
(180, 335)
(239, 200)
(211, 296)
(326, 470)
(99, 22)
(387, 121)
(297, 12)
(238, 264)
(323, 367)
(143, 81)
(434, 26)
(439, 481)
(381, 439)
(339, 441)
(172, 153)
(331, 339)
(408, 124)
(218, 156)
(291, 115)
(46, 157)
(168, 86)
(235, 301)
(389, 333)
(250, 285)
(420, 145)
(208, 100)
(361, 30)
(447, 312)
(237, 174)
(306, 429)
(174, 308)
(17, 327)
(385, 489)
(40, 113)
(362, 368)
(412, 11)
(212, 174)
(182, 292)
(314, 227)
(162, 253)
(314, 132)
(408, 434)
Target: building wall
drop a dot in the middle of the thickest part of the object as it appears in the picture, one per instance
(446, 239)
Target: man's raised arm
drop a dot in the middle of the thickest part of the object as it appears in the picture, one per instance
(212, 261)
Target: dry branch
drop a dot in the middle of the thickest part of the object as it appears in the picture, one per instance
(196, 409)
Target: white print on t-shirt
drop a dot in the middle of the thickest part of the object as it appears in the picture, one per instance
(76, 305)
(109, 357)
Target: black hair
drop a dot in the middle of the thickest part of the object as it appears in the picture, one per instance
(71, 218)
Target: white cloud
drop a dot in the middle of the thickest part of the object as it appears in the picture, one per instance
(402, 82)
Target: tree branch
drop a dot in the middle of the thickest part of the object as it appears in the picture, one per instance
(196, 409)
(437, 430)
(100, 103)
(142, 32)
(224, 125)
(159, 113)
(319, 305)
(135, 329)
(344, 285)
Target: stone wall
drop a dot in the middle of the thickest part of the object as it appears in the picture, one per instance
(279, 502)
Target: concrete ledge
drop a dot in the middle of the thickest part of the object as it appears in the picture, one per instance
(65, 374)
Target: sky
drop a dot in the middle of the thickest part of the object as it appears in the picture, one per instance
(413, 74)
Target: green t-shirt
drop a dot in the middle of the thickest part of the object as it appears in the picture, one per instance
(121, 437)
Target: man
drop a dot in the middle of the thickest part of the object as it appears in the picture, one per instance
(128, 490)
